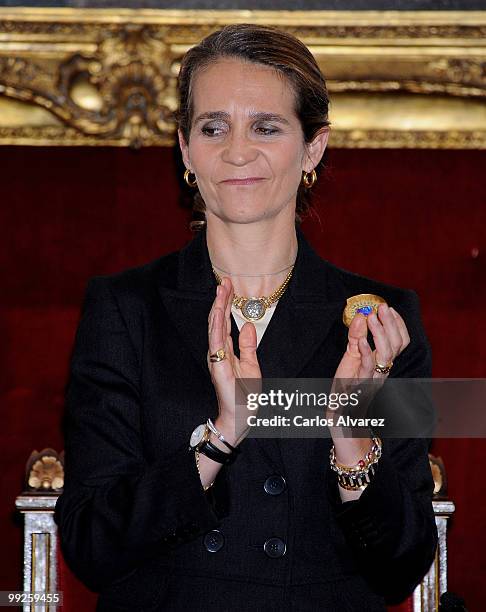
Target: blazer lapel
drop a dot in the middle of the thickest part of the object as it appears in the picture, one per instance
(304, 315)
(189, 303)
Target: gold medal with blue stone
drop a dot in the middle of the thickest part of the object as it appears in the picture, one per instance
(363, 303)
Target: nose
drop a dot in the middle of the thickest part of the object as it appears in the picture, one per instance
(238, 149)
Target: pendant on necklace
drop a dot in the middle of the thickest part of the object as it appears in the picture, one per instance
(253, 309)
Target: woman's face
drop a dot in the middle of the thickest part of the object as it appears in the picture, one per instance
(246, 145)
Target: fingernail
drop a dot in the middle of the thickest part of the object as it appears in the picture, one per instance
(218, 290)
(394, 312)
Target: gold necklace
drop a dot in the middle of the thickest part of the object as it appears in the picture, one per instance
(254, 308)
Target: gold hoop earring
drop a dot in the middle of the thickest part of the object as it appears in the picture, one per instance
(188, 181)
(309, 182)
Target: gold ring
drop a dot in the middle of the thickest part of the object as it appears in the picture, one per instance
(219, 355)
(383, 369)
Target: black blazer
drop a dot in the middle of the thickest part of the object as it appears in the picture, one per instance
(134, 521)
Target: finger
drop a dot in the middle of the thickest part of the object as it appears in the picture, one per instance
(367, 359)
(229, 291)
(384, 353)
(213, 306)
(358, 329)
(402, 328)
(392, 330)
(216, 331)
(219, 302)
(247, 342)
(366, 376)
(229, 350)
(219, 370)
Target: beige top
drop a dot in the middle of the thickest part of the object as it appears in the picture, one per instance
(260, 325)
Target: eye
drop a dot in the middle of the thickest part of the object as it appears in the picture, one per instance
(267, 130)
(212, 129)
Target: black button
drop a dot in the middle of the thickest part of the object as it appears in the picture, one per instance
(213, 540)
(275, 547)
(274, 485)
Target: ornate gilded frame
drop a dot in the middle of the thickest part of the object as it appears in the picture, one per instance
(107, 77)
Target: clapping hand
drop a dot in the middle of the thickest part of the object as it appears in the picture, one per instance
(225, 373)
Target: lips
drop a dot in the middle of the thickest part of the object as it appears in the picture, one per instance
(250, 180)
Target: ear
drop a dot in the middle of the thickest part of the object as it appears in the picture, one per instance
(315, 149)
(184, 150)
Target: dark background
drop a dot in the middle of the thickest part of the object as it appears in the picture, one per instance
(413, 218)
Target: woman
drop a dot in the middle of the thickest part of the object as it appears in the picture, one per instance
(169, 503)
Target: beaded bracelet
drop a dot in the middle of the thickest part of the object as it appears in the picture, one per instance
(357, 477)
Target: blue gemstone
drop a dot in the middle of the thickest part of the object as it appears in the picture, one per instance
(366, 310)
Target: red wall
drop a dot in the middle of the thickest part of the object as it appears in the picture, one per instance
(411, 218)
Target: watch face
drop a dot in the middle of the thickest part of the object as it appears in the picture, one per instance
(197, 435)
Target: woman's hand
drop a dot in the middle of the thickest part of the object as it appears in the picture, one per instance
(224, 373)
(390, 337)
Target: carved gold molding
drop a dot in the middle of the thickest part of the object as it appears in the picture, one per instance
(107, 77)
(45, 471)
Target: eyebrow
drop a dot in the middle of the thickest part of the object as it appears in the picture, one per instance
(261, 116)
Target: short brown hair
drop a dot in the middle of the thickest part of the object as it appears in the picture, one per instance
(271, 47)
